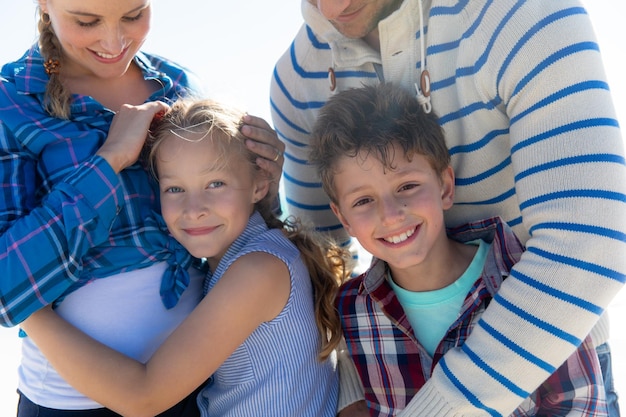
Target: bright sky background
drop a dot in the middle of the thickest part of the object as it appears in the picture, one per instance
(232, 45)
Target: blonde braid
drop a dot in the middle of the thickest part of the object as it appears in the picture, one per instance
(57, 99)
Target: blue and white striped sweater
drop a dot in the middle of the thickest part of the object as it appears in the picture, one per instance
(521, 93)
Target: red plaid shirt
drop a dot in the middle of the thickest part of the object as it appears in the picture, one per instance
(393, 365)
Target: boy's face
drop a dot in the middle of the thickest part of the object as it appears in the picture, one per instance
(206, 201)
(396, 215)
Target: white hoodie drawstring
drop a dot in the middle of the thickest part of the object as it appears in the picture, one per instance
(423, 88)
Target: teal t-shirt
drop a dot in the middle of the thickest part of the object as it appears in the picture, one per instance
(431, 313)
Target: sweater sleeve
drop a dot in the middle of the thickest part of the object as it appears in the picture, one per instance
(350, 387)
(567, 163)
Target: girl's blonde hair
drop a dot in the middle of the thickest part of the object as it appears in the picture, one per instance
(57, 99)
(325, 260)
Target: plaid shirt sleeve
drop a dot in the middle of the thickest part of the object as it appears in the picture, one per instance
(42, 243)
(575, 389)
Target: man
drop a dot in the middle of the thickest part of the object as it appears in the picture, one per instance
(522, 96)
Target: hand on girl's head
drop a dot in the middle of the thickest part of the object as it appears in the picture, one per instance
(263, 141)
(128, 133)
(156, 119)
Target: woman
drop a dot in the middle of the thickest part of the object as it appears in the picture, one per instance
(72, 210)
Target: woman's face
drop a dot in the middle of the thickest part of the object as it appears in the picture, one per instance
(98, 38)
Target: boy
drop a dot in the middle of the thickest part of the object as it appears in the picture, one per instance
(386, 168)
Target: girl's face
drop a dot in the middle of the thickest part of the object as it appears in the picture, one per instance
(98, 37)
(206, 197)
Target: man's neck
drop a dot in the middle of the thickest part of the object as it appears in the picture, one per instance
(373, 40)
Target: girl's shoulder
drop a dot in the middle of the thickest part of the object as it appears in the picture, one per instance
(264, 277)
(274, 244)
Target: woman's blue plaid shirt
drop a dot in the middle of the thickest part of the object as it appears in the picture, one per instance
(65, 217)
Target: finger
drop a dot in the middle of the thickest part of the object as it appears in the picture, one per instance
(270, 152)
(155, 110)
(256, 122)
(142, 114)
(263, 136)
(274, 169)
(160, 106)
(259, 130)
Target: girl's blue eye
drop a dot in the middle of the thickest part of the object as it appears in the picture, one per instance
(216, 184)
(174, 190)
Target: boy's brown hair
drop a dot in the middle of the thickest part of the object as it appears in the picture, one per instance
(369, 119)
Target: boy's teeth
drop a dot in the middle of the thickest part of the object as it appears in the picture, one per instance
(401, 237)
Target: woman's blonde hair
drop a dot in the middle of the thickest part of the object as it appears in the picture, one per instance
(57, 99)
(325, 260)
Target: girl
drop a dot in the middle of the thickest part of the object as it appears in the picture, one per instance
(259, 333)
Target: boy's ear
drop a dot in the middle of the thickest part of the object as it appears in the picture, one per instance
(341, 218)
(447, 188)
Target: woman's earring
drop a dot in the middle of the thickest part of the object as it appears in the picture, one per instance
(52, 66)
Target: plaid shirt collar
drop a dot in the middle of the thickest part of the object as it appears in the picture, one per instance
(500, 260)
(31, 78)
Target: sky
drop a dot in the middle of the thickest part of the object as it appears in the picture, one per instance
(232, 46)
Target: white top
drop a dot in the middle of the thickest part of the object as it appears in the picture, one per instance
(124, 312)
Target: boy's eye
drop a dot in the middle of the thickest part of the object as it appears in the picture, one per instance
(361, 202)
(408, 186)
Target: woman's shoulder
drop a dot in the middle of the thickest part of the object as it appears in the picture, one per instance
(23, 83)
(27, 71)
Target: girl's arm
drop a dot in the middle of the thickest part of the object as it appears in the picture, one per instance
(253, 290)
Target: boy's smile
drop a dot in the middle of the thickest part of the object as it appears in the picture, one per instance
(400, 238)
